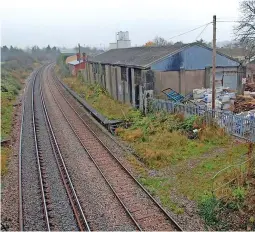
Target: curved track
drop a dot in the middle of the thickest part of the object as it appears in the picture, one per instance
(144, 210)
(45, 184)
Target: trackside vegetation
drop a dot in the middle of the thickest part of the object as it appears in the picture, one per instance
(171, 160)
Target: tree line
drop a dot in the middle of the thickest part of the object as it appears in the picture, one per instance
(34, 53)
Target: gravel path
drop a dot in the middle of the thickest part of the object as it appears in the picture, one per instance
(102, 209)
(61, 215)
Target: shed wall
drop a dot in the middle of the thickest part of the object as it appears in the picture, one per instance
(192, 58)
(165, 80)
(192, 80)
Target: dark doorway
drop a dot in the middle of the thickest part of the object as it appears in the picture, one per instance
(130, 85)
(137, 98)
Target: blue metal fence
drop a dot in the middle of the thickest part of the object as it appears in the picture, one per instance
(236, 125)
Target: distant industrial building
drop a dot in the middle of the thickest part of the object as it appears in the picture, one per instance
(122, 40)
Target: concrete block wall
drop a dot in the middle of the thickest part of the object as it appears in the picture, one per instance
(107, 78)
(126, 88)
(119, 84)
(91, 74)
(133, 86)
(120, 88)
(113, 82)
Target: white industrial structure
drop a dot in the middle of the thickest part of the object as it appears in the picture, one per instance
(122, 40)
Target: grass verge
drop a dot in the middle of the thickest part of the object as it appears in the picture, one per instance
(11, 83)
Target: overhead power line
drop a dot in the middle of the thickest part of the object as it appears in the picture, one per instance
(184, 33)
(234, 21)
(202, 31)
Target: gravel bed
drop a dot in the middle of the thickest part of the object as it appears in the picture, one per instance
(148, 215)
(121, 149)
(118, 147)
(101, 207)
(33, 217)
(61, 214)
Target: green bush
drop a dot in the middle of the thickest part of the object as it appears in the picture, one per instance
(239, 194)
(209, 207)
(188, 123)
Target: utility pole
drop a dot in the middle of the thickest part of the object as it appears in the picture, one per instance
(214, 62)
(79, 53)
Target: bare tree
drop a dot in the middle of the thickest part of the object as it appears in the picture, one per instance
(159, 41)
(245, 31)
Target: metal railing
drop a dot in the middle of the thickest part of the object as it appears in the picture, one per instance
(238, 172)
(236, 125)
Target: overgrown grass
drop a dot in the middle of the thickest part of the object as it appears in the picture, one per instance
(9, 90)
(160, 186)
(162, 139)
(98, 98)
(164, 142)
(201, 175)
(5, 152)
(11, 83)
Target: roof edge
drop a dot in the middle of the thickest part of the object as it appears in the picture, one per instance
(169, 54)
(217, 52)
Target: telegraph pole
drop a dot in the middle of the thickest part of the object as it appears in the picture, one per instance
(79, 53)
(214, 62)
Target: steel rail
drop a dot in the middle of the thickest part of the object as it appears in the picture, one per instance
(21, 223)
(21, 226)
(118, 161)
(93, 160)
(77, 210)
(37, 156)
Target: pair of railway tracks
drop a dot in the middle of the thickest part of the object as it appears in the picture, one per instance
(120, 180)
(44, 187)
(143, 210)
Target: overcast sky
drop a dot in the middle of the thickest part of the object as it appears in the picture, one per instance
(94, 23)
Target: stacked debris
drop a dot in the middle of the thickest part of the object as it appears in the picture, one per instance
(225, 98)
(250, 87)
(244, 103)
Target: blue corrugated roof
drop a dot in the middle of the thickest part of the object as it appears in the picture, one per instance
(144, 57)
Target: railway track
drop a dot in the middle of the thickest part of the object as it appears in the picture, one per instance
(72, 217)
(142, 208)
